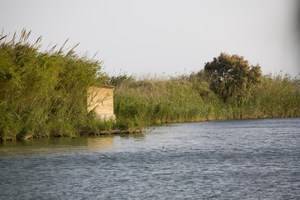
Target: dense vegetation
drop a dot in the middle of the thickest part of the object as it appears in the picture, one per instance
(228, 88)
(43, 93)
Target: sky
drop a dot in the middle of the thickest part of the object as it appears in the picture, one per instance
(165, 37)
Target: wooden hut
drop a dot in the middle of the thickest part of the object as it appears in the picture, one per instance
(101, 101)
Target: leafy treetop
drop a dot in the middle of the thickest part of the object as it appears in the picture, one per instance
(232, 76)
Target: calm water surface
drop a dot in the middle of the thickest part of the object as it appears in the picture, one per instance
(255, 159)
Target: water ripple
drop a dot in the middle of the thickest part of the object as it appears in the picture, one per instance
(253, 159)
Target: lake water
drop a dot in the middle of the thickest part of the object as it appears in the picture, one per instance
(252, 159)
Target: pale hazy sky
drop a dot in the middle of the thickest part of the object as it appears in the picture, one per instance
(164, 36)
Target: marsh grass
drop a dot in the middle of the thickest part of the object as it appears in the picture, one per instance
(145, 102)
(43, 93)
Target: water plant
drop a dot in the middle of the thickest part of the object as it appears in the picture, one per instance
(43, 93)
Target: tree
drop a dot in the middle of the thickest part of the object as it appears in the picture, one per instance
(232, 76)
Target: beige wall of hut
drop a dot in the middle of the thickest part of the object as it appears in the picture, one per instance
(101, 101)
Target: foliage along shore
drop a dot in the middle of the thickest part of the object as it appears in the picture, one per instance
(43, 93)
(187, 99)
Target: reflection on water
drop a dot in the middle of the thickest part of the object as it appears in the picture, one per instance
(100, 143)
(56, 145)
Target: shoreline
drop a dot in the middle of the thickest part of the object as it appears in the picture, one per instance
(130, 131)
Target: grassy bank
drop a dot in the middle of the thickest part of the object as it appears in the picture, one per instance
(140, 103)
(43, 93)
